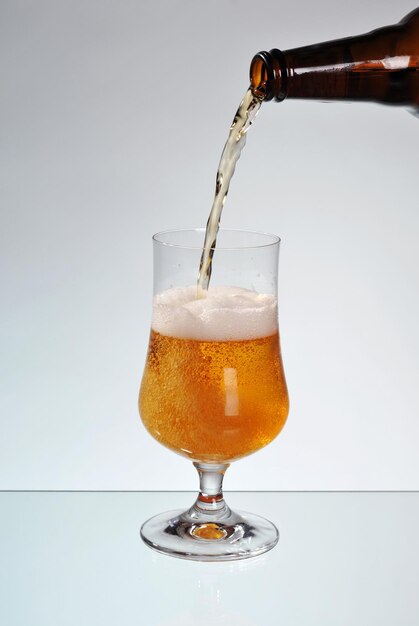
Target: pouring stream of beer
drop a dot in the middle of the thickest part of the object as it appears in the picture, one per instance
(243, 119)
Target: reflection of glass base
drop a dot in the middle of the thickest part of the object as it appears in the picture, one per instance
(236, 535)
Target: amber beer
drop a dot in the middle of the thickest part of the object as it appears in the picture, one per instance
(214, 400)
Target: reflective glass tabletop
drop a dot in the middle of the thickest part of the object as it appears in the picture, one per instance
(71, 558)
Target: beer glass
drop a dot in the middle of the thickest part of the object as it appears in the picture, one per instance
(213, 388)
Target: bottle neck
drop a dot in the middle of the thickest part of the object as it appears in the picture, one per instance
(380, 66)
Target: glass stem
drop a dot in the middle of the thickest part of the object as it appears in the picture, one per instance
(210, 500)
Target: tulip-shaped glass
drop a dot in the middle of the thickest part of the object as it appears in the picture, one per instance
(213, 388)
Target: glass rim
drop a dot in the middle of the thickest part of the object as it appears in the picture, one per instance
(158, 238)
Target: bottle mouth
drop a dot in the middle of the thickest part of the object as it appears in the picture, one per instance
(260, 76)
(268, 75)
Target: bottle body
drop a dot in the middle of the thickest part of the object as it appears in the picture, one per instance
(380, 66)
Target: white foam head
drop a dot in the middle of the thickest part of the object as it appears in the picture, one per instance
(223, 314)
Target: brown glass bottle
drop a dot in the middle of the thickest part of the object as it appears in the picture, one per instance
(380, 66)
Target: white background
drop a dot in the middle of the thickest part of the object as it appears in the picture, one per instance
(107, 109)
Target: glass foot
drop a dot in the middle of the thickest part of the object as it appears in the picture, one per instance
(205, 537)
